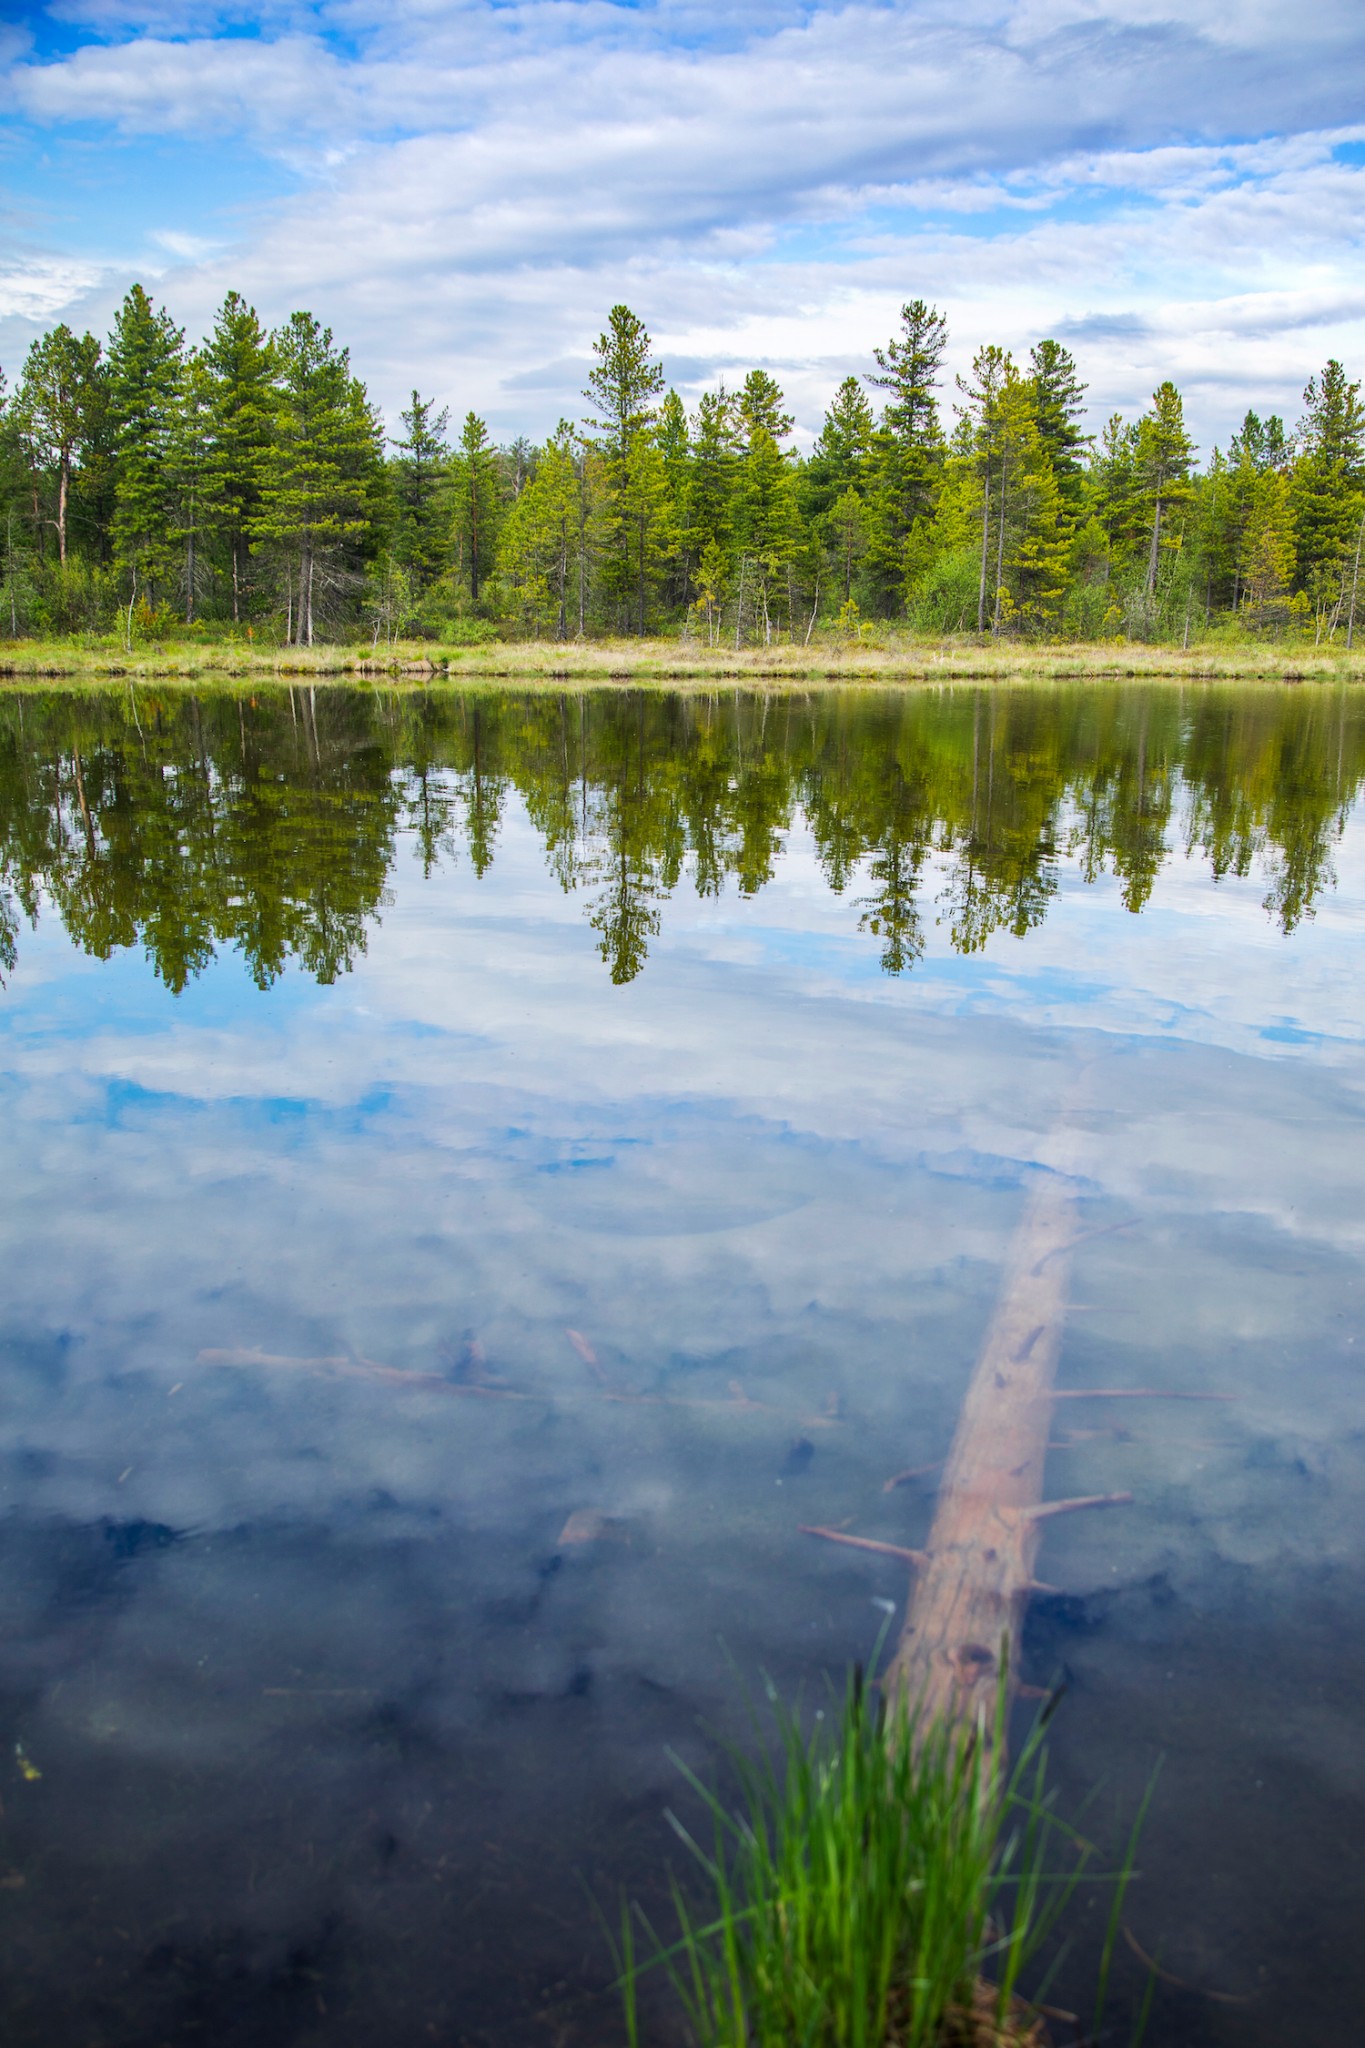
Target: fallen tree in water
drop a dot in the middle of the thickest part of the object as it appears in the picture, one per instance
(976, 1571)
(886, 1881)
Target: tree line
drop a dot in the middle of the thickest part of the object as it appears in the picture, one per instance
(247, 484)
(272, 827)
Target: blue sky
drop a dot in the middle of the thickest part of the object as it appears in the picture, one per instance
(462, 188)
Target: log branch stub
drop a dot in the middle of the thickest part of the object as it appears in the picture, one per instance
(917, 1558)
(1132, 1394)
(1045, 1511)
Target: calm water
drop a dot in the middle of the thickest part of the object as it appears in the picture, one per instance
(481, 1172)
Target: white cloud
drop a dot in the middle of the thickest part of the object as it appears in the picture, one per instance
(42, 289)
(480, 183)
(186, 248)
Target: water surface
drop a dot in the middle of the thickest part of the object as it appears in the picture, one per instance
(483, 1171)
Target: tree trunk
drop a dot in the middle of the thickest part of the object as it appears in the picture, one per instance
(582, 556)
(985, 545)
(1355, 585)
(85, 807)
(1000, 550)
(63, 482)
(1156, 542)
(642, 575)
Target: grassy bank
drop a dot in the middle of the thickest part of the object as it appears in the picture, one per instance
(892, 661)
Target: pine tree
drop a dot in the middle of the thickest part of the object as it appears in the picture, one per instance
(14, 578)
(715, 455)
(983, 441)
(52, 413)
(145, 357)
(622, 388)
(421, 488)
(713, 587)
(675, 450)
(476, 492)
(645, 534)
(1260, 444)
(624, 383)
(907, 451)
(538, 546)
(1059, 407)
(844, 528)
(1329, 478)
(320, 484)
(189, 474)
(1266, 557)
(759, 406)
(241, 364)
(1022, 525)
(1117, 487)
(843, 449)
(768, 527)
(1040, 521)
(1216, 526)
(1164, 454)
(909, 368)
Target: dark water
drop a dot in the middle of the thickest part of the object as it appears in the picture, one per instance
(429, 1121)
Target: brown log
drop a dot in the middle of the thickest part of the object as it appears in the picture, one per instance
(968, 1598)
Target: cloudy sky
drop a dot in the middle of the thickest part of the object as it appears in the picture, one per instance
(462, 188)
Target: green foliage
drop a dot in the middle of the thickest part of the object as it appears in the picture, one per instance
(145, 370)
(1058, 397)
(476, 494)
(181, 824)
(945, 601)
(1163, 454)
(541, 554)
(420, 478)
(241, 364)
(759, 406)
(623, 383)
(1328, 489)
(872, 1878)
(319, 492)
(242, 484)
(639, 521)
(906, 455)
(53, 408)
(842, 454)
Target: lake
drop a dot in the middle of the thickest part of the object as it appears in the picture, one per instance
(485, 1171)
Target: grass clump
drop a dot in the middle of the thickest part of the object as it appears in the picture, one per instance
(876, 1885)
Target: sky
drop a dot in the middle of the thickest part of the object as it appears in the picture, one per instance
(462, 189)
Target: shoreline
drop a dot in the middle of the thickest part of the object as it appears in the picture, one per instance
(668, 665)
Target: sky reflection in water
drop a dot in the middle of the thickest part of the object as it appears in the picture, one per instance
(459, 1060)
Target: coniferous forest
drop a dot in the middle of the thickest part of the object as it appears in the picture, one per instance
(247, 486)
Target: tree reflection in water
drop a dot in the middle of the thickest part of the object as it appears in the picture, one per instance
(271, 824)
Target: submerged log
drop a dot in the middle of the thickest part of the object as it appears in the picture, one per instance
(970, 1590)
